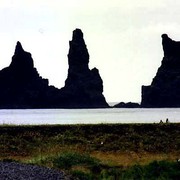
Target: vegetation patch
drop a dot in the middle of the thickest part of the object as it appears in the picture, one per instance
(104, 151)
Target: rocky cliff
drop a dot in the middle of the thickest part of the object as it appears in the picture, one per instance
(164, 90)
(22, 87)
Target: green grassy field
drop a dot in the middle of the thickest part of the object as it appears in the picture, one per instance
(104, 151)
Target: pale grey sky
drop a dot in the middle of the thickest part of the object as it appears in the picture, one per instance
(123, 38)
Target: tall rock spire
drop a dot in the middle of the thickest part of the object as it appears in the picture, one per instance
(78, 57)
(85, 86)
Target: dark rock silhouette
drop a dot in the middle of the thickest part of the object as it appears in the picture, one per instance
(22, 87)
(164, 90)
(20, 84)
(127, 105)
(83, 87)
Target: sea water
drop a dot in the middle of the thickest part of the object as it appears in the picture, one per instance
(88, 116)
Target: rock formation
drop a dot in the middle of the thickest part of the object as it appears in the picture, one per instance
(164, 90)
(127, 105)
(83, 87)
(22, 87)
(20, 84)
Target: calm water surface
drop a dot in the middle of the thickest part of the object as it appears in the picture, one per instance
(88, 116)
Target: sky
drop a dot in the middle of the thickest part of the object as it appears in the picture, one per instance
(123, 38)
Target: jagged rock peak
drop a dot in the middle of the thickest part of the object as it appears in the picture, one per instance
(19, 48)
(21, 59)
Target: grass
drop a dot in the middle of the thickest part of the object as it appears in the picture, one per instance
(161, 170)
(104, 151)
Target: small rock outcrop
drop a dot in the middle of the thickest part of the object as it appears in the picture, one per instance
(164, 90)
(127, 105)
(22, 87)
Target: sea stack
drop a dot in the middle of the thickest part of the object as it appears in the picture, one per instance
(164, 90)
(84, 87)
(21, 86)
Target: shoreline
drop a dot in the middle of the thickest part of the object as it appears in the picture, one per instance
(89, 124)
(88, 116)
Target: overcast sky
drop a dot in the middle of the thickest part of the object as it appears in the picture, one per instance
(123, 38)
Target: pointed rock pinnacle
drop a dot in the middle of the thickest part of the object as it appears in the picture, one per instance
(18, 48)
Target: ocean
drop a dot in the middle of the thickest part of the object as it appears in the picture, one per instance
(88, 116)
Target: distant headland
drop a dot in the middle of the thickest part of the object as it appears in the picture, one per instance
(21, 86)
(164, 90)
